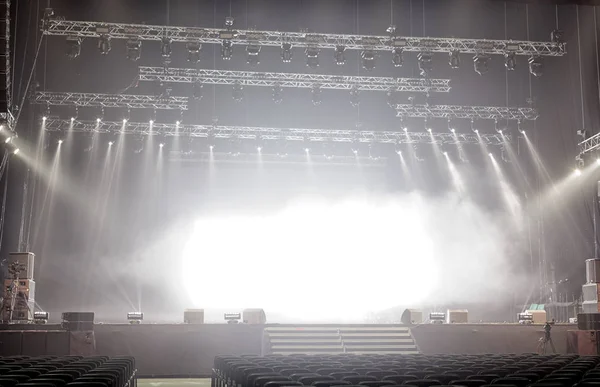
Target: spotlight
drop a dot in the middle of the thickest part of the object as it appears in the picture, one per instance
(522, 131)
(316, 96)
(307, 150)
(165, 48)
(368, 60)
(72, 119)
(73, 47)
(536, 67)
(445, 153)
(151, 122)
(211, 147)
(44, 118)
(41, 317)
(104, 44)
(60, 142)
(425, 61)
(277, 98)
(454, 60)
(135, 317)
(429, 130)
(405, 129)
(312, 57)
(110, 143)
(510, 61)
(98, 120)
(598, 161)
(229, 20)
(397, 59)
(177, 122)
(481, 63)
(161, 145)
(339, 55)
(124, 120)
(133, 48)
(253, 55)
(193, 49)
(476, 131)
(237, 92)
(286, 52)
(258, 149)
(226, 49)
(491, 155)
(453, 130)
(8, 139)
(354, 97)
(577, 172)
(16, 151)
(197, 91)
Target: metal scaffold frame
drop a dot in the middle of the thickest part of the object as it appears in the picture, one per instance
(263, 133)
(110, 100)
(589, 144)
(468, 112)
(252, 78)
(90, 29)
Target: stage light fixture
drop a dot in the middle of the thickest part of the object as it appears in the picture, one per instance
(339, 55)
(286, 52)
(368, 59)
(133, 49)
(312, 57)
(110, 143)
(104, 45)
(98, 120)
(397, 57)
(556, 36)
(44, 118)
(197, 91)
(165, 48)
(598, 161)
(510, 61)
(177, 123)
(73, 47)
(151, 122)
(161, 145)
(577, 172)
(253, 55)
(7, 140)
(193, 51)
(277, 94)
(425, 62)
(392, 98)
(135, 317)
(454, 60)
(354, 97)
(226, 49)
(211, 147)
(72, 119)
(481, 63)
(41, 317)
(237, 92)
(536, 67)
(307, 150)
(16, 151)
(316, 96)
(60, 141)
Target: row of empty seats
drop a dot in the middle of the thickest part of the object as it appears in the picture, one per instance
(406, 370)
(67, 371)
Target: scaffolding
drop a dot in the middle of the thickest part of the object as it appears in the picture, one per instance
(110, 100)
(469, 112)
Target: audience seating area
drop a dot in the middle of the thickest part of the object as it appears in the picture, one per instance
(406, 370)
(67, 371)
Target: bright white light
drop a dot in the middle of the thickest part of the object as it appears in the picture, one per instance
(399, 152)
(124, 120)
(151, 122)
(577, 172)
(306, 150)
(258, 149)
(445, 153)
(355, 151)
(598, 161)
(110, 143)
(72, 119)
(16, 151)
(429, 130)
(405, 129)
(98, 120)
(60, 142)
(476, 131)
(44, 118)
(500, 131)
(326, 228)
(1, 127)
(8, 139)
(452, 130)
(491, 155)
(211, 147)
(523, 132)
(177, 122)
(161, 145)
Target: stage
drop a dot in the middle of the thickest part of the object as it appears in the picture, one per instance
(188, 350)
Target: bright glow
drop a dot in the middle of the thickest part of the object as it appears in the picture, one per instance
(60, 142)
(405, 129)
(161, 145)
(429, 130)
(258, 148)
(445, 153)
(1, 127)
(72, 119)
(110, 143)
(476, 131)
(524, 133)
(306, 150)
(44, 118)
(8, 139)
(124, 120)
(98, 120)
(151, 122)
(500, 131)
(177, 122)
(399, 153)
(16, 151)
(577, 172)
(598, 161)
(355, 151)
(491, 155)
(452, 130)
(211, 147)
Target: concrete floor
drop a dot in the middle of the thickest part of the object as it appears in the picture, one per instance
(173, 382)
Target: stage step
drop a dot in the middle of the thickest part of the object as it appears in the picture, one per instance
(329, 339)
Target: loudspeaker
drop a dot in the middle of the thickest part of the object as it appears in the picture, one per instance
(254, 316)
(193, 316)
(411, 317)
(25, 260)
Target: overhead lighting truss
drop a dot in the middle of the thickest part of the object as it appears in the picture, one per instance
(468, 112)
(251, 78)
(589, 145)
(90, 29)
(110, 100)
(288, 134)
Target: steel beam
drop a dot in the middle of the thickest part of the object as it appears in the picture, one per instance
(589, 144)
(252, 78)
(90, 29)
(468, 112)
(263, 133)
(110, 100)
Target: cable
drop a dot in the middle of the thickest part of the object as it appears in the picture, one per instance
(580, 71)
(4, 196)
(597, 49)
(424, 33)
(28, 83)
(391, 12)
(527, 22)
(14, 46)
(25, 50)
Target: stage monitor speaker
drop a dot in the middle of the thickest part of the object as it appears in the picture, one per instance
(457, 316)
(592, 270)
(193, 316)
(25, 260)
(412, 317)
(254, 316)
(78, 317)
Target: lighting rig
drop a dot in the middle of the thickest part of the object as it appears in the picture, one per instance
(251, 78)
(109, 100)
(274, 134)
(465, 112)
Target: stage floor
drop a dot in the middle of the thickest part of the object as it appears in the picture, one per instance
(175, 382)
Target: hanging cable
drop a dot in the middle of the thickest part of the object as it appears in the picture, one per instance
(3, 208)
(527, 23)
(580, 71)
(391, 12)
(556, 12)
(597, 54)
(24, 98)
(14, 47)
(25, 50)
(424, 33)
(410, 11)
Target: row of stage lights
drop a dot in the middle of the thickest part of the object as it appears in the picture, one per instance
(368, 58)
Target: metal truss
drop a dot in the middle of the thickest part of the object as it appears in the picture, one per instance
(89, 29)
(288, 134)
(110, 100)
(468, 112)
(589, 145)
(252, 78)
(266, 158)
